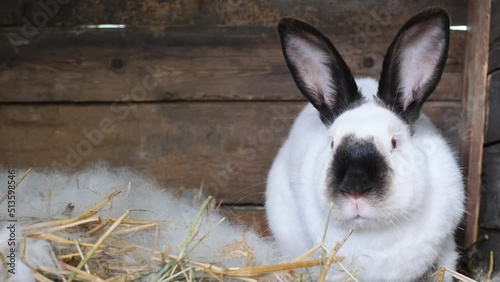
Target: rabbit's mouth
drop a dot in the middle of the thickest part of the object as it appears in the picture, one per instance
(353, 211)
(357, 207)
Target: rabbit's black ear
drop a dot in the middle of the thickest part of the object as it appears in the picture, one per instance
(317, 68)
(414, 63)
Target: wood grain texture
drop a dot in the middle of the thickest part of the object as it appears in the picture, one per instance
(474, 99)
(495, 19)
(344, 14)
(494, 53)
(490, 206)
(212, 63)
(489, 224)
(251, 216)
(489, 219)
(493, 120)
(494, 58)
(229, 147)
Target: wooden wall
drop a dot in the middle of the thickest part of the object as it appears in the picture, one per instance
(490, 192)
(189, 92)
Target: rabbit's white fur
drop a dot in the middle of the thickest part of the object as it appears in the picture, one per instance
(422, 211)
(362, 153)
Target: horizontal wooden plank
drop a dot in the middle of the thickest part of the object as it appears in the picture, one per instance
(229, 147)
(215, 63)
(490, 190)
(253, 217)
(344, 14)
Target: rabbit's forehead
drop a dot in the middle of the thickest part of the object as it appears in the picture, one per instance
(367, 120)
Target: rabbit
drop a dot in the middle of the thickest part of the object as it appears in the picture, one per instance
(363, 155)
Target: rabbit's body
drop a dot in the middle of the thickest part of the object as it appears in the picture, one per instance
(365, 151)
(408, 249)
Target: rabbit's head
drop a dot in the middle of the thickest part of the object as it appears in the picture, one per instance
(377, 172)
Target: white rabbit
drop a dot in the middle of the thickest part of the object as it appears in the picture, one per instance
(364, 149)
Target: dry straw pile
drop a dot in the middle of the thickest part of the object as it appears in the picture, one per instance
(103, 246)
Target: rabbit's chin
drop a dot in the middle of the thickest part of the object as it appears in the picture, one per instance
(368, 223)
(358, 223)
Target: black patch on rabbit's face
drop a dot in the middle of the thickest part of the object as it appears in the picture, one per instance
(358, 169)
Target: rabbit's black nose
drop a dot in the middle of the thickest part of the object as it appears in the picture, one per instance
(356, 182)
(358, 168)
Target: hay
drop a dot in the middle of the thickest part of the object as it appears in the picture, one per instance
(98, 244)
(98, 267)
(92, 246)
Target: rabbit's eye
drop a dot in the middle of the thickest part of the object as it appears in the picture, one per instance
(331, 144)
(394, 143)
